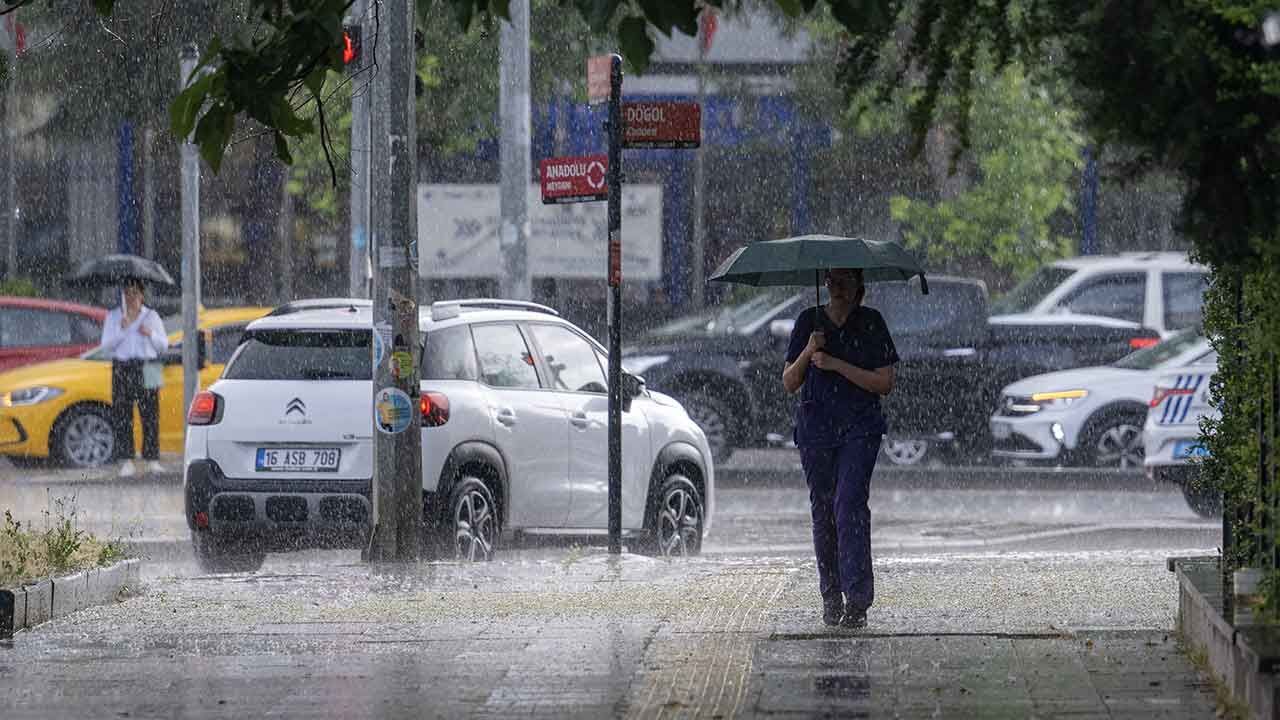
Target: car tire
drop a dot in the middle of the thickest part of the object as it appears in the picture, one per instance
(217, 555)
(675, 521)
(905, 452)
(713, 417)
(470, 529)
(83, 437)
(1203, 500)
(1113, 439)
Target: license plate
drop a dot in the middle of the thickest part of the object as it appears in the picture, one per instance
(298, 459)
(1001, 431)
(1184, 449)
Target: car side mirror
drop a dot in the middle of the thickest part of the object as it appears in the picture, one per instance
(781, 329)
(173, 356)
(632, 388)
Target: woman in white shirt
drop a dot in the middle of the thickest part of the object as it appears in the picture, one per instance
(133, 336)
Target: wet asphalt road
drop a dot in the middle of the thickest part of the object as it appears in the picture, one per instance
(1027, 596)
(761, 508)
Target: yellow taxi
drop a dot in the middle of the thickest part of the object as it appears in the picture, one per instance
(60, 409)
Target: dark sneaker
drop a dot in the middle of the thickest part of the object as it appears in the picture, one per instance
(854, 619)
(832, 609)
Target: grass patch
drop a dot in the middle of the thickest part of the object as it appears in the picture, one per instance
(28, 554)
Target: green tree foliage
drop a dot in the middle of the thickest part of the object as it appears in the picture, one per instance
(458, 103)
(1023, 150)
(271, 71)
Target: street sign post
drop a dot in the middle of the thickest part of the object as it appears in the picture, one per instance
(666, 125)
(662, 125)
(574, 179)
(614, 127)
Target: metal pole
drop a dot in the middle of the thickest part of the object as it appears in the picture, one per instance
(615, 304)
(9, 157)
(148, 196)
(397, 479)
(361, 94)
(1089, 205)
(697, 280)
(1227, 567)
(285, 231)
(513, 104)
(190, 248)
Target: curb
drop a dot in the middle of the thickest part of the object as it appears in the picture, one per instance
(788, 472)
(29, 605)
(1231, 656)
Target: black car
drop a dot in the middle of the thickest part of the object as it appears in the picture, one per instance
(725, 365)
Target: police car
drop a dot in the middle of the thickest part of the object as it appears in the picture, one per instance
(1172, 431)
(1089, 416)
(513, 414)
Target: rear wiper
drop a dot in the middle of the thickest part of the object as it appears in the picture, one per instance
(324, 374)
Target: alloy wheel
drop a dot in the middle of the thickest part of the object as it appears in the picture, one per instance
(1120, 446)
(679, 523)
(88, 440)
(906, 452)
(474, 527)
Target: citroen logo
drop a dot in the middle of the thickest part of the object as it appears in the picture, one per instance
(295, 405)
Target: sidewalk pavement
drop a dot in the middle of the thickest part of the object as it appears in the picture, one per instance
(582, 634)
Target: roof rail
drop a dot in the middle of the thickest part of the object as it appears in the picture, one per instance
(494, 304)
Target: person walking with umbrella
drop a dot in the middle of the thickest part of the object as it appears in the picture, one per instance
(133, 336)
(840, 360)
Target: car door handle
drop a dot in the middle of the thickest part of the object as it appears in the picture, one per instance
(506, 416)
(579, 419)
(959, 352)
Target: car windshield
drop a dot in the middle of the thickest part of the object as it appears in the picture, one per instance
(302, 355)
(737, 318)
(1028, 293)
(1160, 353)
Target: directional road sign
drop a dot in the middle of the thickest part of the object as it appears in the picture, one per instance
(661, 125)
(598, 78)
(574, 179)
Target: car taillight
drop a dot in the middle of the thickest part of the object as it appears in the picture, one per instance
(1161, 393)
(435, 408)
(205, 407)
(1143, 342)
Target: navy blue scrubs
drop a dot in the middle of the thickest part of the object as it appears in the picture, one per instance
(838, 428)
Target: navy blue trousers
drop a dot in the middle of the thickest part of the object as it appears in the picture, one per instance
(839, 482)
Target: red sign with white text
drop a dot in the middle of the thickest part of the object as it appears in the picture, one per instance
(574, 179)
(661, 125)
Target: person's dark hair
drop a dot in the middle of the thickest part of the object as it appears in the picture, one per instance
(857, 274)
(134, 283)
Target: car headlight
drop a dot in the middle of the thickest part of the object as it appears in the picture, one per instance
(638, 364)
(31, 395)
(1058, 399)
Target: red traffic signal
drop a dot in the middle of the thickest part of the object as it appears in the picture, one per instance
(351, 45)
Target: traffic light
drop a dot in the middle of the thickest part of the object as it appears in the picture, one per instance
(351, 45)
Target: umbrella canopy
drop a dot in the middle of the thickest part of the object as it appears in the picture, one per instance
(115, 269)
(801, 260)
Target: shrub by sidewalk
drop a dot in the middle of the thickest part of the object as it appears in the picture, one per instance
(27, 554)
(58, 569)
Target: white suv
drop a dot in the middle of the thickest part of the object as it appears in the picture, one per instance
(279, 452)
(1163, 291)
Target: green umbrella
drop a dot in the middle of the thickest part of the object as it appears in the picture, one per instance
(799, 260)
